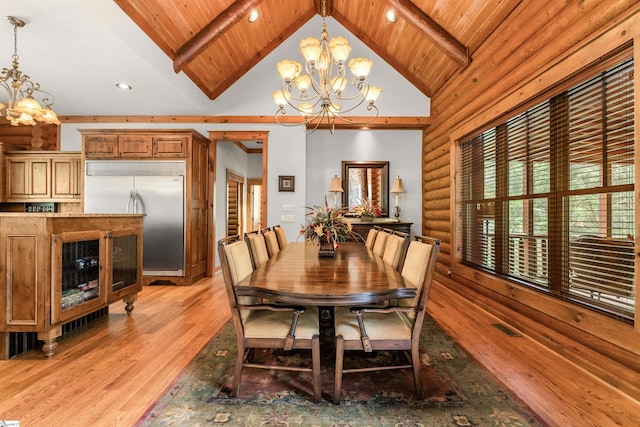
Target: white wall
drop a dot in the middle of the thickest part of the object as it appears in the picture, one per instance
(288, 146)
(401, 148)
(251, 94)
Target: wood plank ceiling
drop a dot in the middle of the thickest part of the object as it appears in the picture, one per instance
(213, 42)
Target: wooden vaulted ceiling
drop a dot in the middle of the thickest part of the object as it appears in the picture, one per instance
(213, 42)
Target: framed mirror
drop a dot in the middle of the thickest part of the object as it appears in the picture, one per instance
(365, 180)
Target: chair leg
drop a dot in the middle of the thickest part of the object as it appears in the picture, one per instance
(417, 378)
(315, 358)
(237, 376)
(338, 375)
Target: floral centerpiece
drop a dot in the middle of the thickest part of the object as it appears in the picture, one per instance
(366, 211)
(327, 227)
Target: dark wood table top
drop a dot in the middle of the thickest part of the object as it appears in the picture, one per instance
(356, 276)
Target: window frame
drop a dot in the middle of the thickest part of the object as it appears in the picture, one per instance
(504, 283)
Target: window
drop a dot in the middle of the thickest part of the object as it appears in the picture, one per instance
(546, 198)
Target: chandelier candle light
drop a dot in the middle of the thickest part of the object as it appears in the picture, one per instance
(22, 108)
(319, 95)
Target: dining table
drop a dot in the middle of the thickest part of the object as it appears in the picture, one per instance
(355, 276)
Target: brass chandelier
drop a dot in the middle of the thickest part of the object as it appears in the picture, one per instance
(22, 108)
(320, 95)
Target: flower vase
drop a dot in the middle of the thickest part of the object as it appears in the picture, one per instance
(366, 218)
(327, 249)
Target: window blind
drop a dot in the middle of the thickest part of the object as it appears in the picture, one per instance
(546, 197)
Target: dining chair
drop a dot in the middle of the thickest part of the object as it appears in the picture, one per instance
(266, 326)
(271, 239)
(371, 237)
(395, 249)
(380, 242)
(282, 237)
(257, 247)
(393, 328)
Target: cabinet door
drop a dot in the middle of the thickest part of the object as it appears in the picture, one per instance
(24, 250)
(78, 279)
(28, 178)
(134, 146)
(170, 146)
(100, 146)
(65, 178)
(124, 272)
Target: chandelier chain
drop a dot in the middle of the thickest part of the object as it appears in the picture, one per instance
(320, 95)
(22, 108)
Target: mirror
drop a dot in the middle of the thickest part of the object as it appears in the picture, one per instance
(365, 179)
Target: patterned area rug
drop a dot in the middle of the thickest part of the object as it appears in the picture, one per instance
(457, 391)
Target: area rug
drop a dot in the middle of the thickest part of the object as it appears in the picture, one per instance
(458, 392)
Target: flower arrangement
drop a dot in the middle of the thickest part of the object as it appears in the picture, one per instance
(327, 225)
(367, 209)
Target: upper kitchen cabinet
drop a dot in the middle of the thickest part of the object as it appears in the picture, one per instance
(143, 165)
(132, 144)
(42, 176)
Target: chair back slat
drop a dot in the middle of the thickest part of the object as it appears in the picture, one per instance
(371, 238)
(418, 268)
(379, 244)
(282, 237)
(257, 247)
(271, 240)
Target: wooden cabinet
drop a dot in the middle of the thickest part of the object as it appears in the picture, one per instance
(28, 178)
(57, 268)
(362, 228)
(134, 144)
(172, 144)
(66, 177)
(42, 176)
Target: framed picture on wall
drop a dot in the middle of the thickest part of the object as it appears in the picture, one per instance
(286, 183)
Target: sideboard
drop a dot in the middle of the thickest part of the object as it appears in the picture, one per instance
(362, 228)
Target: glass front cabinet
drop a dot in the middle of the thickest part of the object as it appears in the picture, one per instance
(94, 268)
(60, 268)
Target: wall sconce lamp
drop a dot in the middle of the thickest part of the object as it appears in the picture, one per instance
(336, 187)
(397, 188)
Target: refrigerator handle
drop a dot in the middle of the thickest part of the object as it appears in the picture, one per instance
(142, 210)
(129, 202)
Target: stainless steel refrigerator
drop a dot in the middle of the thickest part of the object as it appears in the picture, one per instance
(156, 190)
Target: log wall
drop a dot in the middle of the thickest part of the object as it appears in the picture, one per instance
(538, 45)
(38, 137)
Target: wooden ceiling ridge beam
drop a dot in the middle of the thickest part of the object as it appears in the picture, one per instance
(323, 8)
(441, 37)
(212, 31)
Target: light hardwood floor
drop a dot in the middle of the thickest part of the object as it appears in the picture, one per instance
(109, 374)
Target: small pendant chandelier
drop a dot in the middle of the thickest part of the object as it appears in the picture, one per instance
(22, 108)
(318, 95)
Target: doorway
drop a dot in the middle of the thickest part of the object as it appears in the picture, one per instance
(235, 203)
(254, 204)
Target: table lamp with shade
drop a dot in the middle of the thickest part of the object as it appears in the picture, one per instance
(397, 188)
(336, 187)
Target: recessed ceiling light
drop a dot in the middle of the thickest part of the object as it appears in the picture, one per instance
(123, 86)
(391, 16)
(253, 16)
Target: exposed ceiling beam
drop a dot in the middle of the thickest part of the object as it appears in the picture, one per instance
(445, 41)
(384, 54)
(233, 77)
(214, 29)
